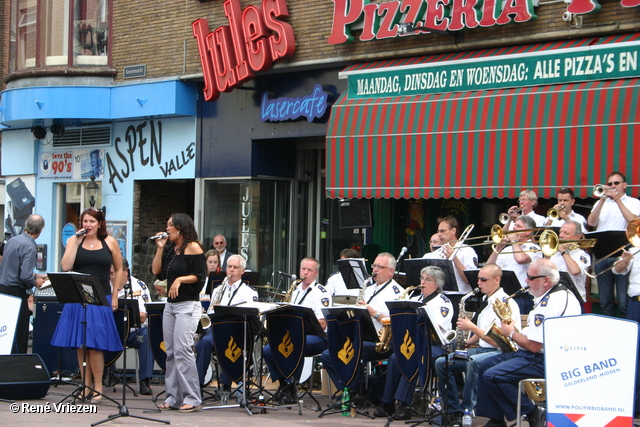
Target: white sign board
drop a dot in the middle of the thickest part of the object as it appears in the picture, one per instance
(590, 370)
(9, 311)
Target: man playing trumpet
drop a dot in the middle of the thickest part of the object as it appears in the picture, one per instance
(489, 284)
(527, 201)
(564, 207)
(233, 292)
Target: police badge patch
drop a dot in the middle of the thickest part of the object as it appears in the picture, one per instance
(538, 319)
(444, 311)
(325, 302)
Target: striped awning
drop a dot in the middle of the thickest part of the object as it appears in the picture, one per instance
(491, 143)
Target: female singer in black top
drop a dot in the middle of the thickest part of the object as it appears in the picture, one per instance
(184, 268)
(92, 253)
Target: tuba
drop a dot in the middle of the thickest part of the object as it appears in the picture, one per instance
(502, 310)
(461, 352)
(292, 288)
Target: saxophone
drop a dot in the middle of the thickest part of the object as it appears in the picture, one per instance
(364, 287)
(292, 288)
(407, 291)
(460, 352)
(502, 310)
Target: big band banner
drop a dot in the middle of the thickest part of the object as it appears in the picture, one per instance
(404, 331)
(345, 346)
(590, 370)
(229, 341)
(423, 344)
(9, 311)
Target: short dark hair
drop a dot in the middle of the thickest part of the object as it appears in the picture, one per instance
(567, 190)
(624, 178)
(452, 221)
(349, 253)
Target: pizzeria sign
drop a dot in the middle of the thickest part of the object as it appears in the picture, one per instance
(498, 72)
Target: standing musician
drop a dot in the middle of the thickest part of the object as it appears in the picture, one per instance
(489, 284)
(566, 199)
(382, 289)
(231, 292)
(396, 387)
(499, 375)
(465, 257)
(308, 293)
(527, 201)
(512, 257)
(613, 212)
(629, 264)
(575, 261)
(184, 268)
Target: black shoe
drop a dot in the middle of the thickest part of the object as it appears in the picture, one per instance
(385, 410)
(403, 413)
(145, 389)
(534, 418)
(456, 418)
(289, 394)
(495, 423)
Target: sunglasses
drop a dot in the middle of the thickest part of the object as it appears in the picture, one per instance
(534, 277)
(484, 279)
(612, 183)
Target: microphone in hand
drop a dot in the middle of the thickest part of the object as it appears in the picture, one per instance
(159, 236)
(81, 233)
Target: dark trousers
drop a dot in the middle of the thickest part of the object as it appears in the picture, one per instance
(21, 339)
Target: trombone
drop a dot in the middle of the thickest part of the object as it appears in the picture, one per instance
(549, 243)
(497, 235)
(633, 236)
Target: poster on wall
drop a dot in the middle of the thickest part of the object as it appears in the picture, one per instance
(19, 204)
(118, 229)
(72, 164)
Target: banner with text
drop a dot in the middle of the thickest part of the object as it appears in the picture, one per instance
(498, 72)
(591, 369)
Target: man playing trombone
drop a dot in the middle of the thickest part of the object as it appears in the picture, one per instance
(613, 211)
(482, 346)
(463, 257)
(231, 291)
(516, 252)
(564, 210)
(571, 258)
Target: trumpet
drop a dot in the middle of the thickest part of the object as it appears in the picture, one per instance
(504, 217)
(598, 190)
(554, 213)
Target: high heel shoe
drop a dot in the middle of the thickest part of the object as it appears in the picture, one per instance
(96, 400)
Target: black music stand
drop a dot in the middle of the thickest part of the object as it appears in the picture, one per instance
(353, 271)
(311, 327)
(81, 289)
(131, 319)
(567, 281)
(608, 242)
(509, 282)
(368, 333)
(251, 326)
(155, 311)
(413, 267)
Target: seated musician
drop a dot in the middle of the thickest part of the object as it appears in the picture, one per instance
(308, 293)
(396, 387)
(499, 375)
(382, 289)
(233, 292)
(335, 283)
(575, 261)
(512, 255)
(489, 284)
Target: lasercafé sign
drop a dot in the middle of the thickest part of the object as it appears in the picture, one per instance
(231, 54)
(529, 69)
(312, 106)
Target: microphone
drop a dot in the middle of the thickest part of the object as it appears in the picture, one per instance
(403, 252)
(81, 233)
(291, 276)
(158, 236)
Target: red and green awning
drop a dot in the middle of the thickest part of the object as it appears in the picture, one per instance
(485, 143)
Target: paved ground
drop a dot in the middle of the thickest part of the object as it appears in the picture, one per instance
(144, 406)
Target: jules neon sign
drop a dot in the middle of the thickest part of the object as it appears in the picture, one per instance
(231, 54)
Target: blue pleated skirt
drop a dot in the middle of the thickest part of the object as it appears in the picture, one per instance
(102, 333)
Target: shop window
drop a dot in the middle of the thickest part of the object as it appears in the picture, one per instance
(47, 31)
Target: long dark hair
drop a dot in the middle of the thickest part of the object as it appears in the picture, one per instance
(184, 224)
(102, 222)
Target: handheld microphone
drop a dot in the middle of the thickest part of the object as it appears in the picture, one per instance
(159, 236)
(81, 233)
(291, 276)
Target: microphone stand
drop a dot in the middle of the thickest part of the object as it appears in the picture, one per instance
(123, 411)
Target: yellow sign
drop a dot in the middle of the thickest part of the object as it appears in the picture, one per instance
(286, 346)
(346, 353)
(408, 347)
(233, 351)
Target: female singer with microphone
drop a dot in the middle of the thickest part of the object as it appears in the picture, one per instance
(92, 251)
(184, 268)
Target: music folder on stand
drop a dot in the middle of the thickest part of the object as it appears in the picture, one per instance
(413, 266)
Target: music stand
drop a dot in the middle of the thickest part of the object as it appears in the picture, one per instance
(608, 242)
(251, 326)
(353, 272)
(81, 289)
(155, 312)
(413, 267)
(367, 332)
(509, 282)
(311, 326)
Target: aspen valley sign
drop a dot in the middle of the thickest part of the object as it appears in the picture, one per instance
(380, 21)
(231, 54)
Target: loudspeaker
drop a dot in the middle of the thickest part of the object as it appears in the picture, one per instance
(45, 321)
(355, 213)
(23, 376)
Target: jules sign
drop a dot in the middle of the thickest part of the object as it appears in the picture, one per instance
(231, 54)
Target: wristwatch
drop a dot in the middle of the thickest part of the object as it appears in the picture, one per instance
(377, 315)
(565, 253)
